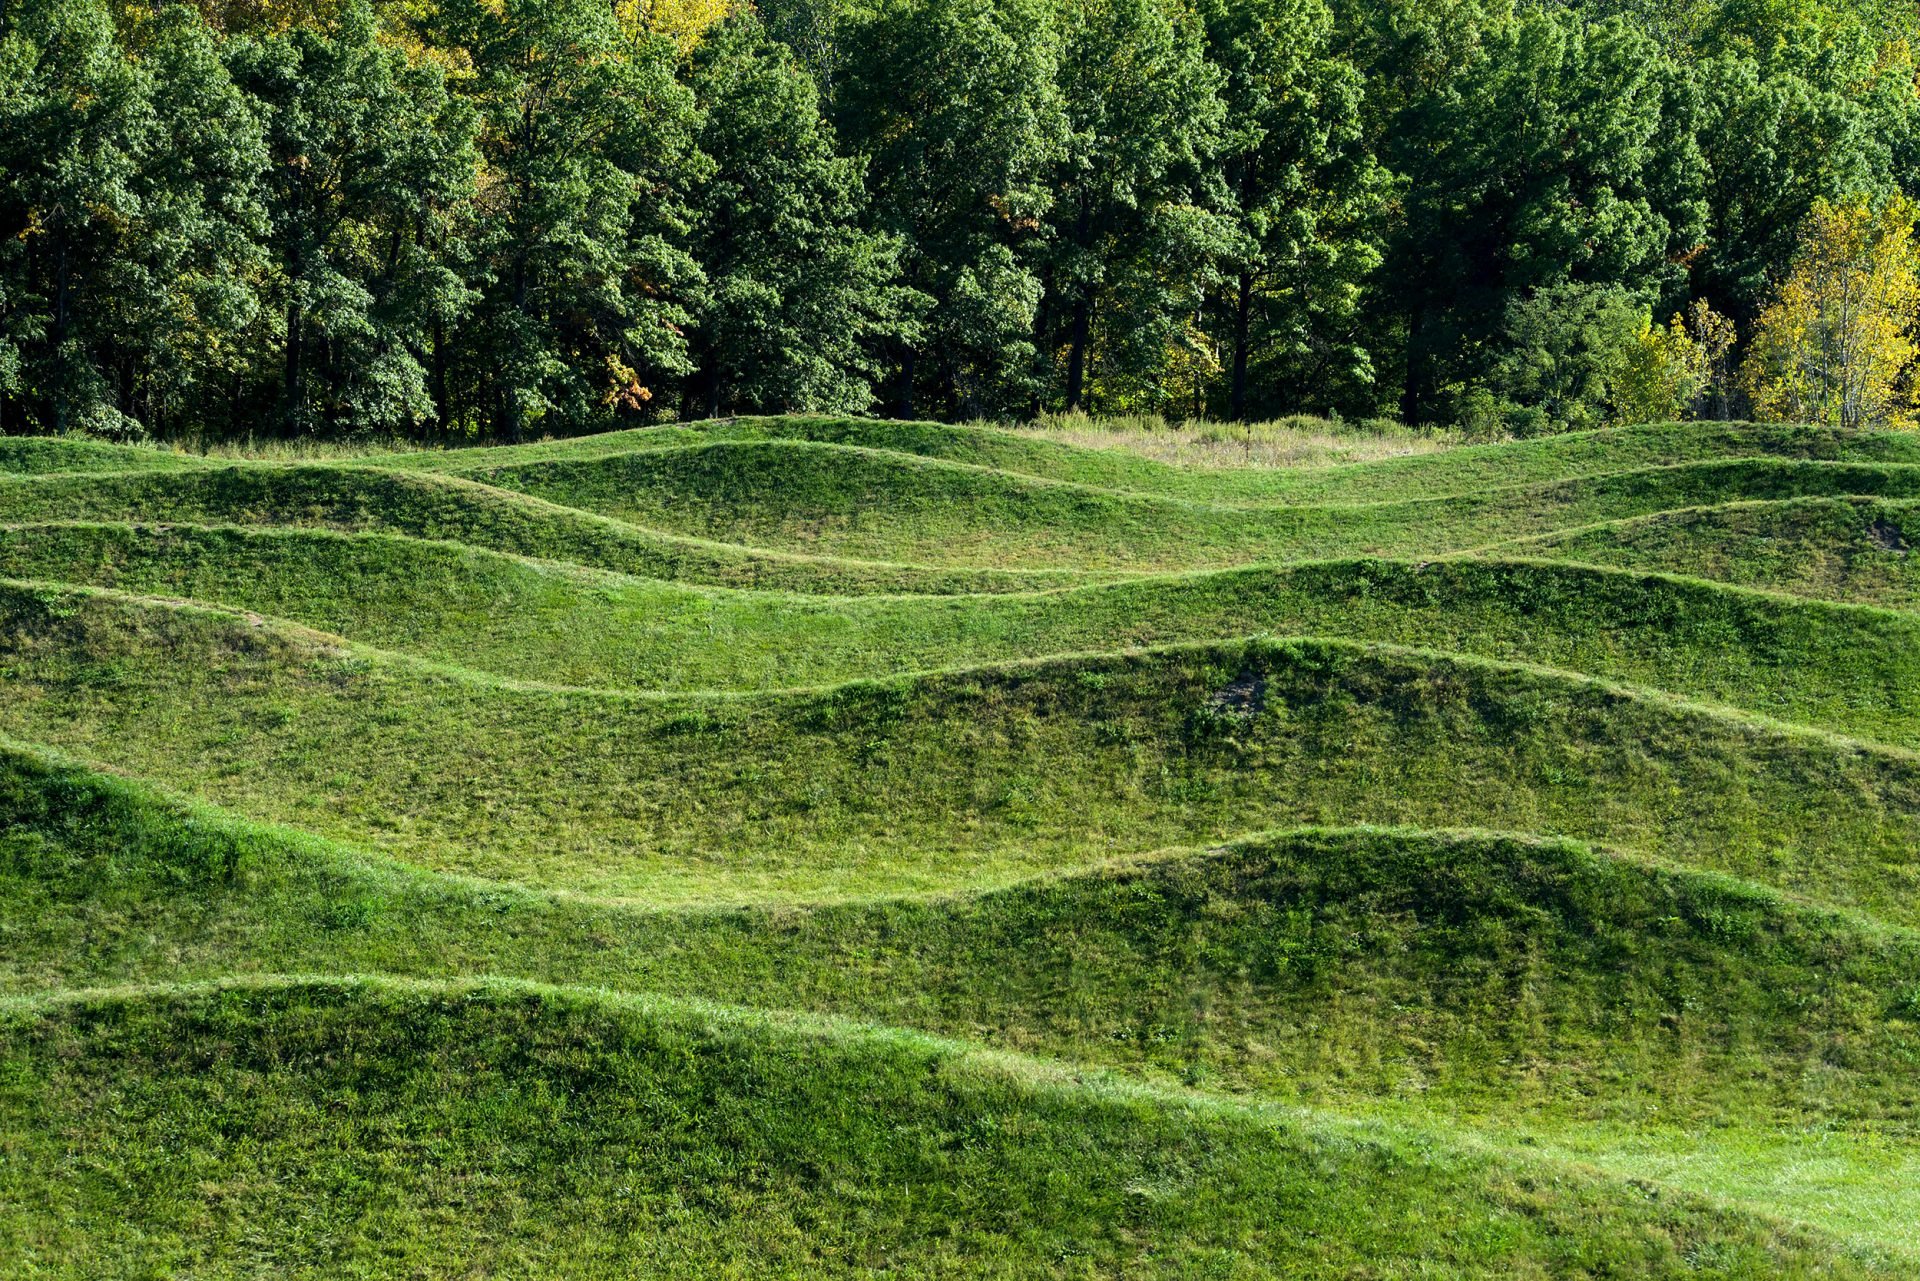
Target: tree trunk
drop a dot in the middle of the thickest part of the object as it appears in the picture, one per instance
(291, 378)
(1243, 296)
(442, 410)
(58, 335)
(1077, 349)
(510, 404)
(509, 415)
(1242, 323)
(1082, 323)
(904, 407)
(1042, 342)
(1413, 396)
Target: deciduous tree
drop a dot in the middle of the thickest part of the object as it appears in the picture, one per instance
(369, 156)
(1549, 158)
(128, 218)
(1138, 233)
(801, 301)
(585, 286)
(1836, 343)
(955, 106)
(1304, 191)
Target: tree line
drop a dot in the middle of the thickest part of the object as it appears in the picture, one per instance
(478, 219)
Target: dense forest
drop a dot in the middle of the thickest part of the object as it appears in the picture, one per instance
(479, 219)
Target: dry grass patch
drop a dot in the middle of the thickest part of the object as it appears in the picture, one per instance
(1299, 441)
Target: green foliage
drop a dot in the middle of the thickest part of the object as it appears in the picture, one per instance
(370, 162)
(583, 281)
(472, 219)
(1774, 144)
(130, 221)
(1307, 195)
(954, 105)
(1567, 356)
(1136, 238)
(801, 298)
(1544, 181)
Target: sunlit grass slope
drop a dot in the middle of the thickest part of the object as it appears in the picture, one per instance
(333, 496)
(1587, 999)
(34, 455)
(940, 780)
(1852, 670)
(1853, 549)
(389, 1129)
(766, 514)
(1462, 469)
(818, 847)
(877, 504)
(1322, 966)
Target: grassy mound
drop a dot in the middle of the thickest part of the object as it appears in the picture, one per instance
(1850, 670)
(1494, 860)
(1455, 471)
(942, 780)
(1475, 970)
(330, 496)
(1836, 549)
(38, 455)
(1583, 1004)
(875, 504)
(370, 1128)
(790, 515)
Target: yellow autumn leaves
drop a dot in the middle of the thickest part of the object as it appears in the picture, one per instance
(682, 21)
(1836, 344)
(1668, 373)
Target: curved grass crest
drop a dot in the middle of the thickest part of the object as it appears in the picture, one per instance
(1049, 825)
(1460, 469)
(1850, 669)
(754, 1106)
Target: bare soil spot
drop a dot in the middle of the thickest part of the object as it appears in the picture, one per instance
(1243, 697)
(1886, 535)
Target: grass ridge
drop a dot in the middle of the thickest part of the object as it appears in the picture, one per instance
(956, 851)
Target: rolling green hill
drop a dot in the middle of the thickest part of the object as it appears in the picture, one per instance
(814, 847)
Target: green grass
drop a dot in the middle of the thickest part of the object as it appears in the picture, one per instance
(1851, 670)
(1849, 549)
(333, 496)
(1319, 966)
(1456, 470)
(1535, 985)
(708, 513)
(687, 1141)
(32, 455)
(825, 847)
(941, 780)
(791, 514)
(874, 504)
